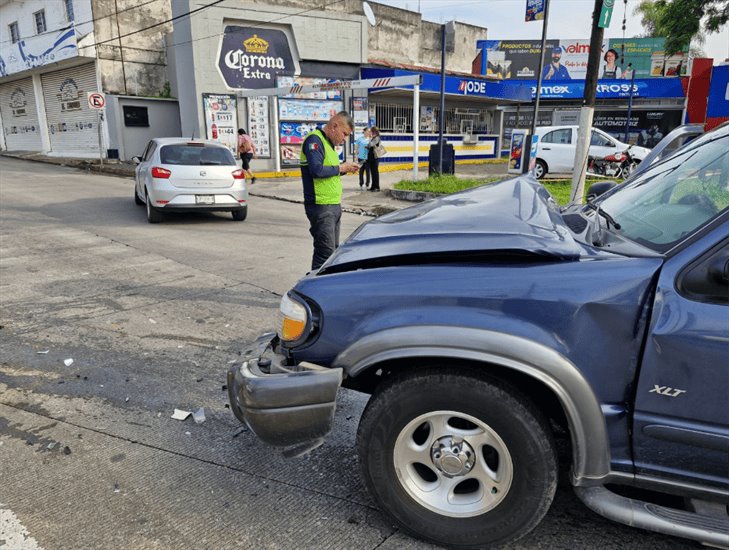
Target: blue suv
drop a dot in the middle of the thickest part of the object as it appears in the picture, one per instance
(483, 322)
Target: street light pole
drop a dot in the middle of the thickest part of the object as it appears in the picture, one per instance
(527, 163)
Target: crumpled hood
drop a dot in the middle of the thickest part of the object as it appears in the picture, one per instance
(516, 215)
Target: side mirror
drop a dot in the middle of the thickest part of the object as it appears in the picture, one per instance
(136, 160)
(597, 189)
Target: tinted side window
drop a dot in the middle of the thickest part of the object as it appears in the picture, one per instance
(151, 146)
(559, 136)
(600, 140)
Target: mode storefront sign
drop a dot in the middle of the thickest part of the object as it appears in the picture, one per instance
(252, 57)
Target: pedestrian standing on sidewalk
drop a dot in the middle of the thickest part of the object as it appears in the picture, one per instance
(364, 168)
(373, 159)
(246, 152)
(320, 174)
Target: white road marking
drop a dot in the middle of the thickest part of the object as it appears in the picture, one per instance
(13, 534)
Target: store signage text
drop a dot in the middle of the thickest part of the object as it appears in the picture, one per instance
(253, 58)
(472, 87)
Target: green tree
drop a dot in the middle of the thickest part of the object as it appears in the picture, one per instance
(680, 21)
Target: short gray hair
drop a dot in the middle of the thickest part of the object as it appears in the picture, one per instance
(346, 118)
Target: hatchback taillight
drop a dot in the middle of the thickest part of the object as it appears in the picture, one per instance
(158, 172)
(239, 174)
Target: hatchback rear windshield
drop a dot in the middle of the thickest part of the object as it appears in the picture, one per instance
(196, 155)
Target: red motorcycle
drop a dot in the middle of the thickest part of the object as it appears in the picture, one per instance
(618, 165)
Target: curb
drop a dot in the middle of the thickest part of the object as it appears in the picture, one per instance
(413, 196)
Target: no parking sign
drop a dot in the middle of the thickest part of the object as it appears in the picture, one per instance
(96, 100)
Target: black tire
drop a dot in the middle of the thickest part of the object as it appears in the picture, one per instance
(391, 426)
(240, 215)
(540, 169)
(153, 215)
(137, 200)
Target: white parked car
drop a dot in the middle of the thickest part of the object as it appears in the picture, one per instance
(179, 174)
(557, 145)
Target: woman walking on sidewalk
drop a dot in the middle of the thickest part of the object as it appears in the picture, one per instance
(373, 159)
(364, 167)
(246, 152)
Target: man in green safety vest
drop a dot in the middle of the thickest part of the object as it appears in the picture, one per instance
(320, 173)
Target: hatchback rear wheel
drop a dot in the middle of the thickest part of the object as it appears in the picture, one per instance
(153, 215)
(240, 215)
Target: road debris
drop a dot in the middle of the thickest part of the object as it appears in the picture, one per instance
(199, 416)
(116, 488)
(180, 414)
(44, 352)
(68, 362)
(153, 321)
(67, 450)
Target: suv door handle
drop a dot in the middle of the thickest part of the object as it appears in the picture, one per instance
(546, 148)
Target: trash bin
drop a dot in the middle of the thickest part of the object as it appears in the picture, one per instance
(449, 159)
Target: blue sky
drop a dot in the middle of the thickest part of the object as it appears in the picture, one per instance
(504, 20)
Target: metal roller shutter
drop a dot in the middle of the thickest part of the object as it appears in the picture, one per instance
(72, 124)
(20, 116)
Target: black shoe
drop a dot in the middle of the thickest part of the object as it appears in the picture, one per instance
(253, 180)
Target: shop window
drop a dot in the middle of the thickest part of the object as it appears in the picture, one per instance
(40, 21)
(136, 116)
(69, 10)
(14, 32)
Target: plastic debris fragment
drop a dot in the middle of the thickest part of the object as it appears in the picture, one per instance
(68, 362)
(180, 414)
(44, 352)
(199, 416)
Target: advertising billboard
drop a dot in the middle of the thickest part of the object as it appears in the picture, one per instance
(567, 59)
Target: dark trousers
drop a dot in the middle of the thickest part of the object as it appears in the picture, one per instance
(364, 169)
(324, 222)
(374, 164)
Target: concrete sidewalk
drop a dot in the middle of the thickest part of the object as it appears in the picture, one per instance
(289, 189)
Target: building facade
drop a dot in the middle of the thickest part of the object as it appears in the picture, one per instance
(53, 53)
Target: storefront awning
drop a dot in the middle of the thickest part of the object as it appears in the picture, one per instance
(497, 92)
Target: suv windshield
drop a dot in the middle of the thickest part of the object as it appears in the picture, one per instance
(186, 154)
(676, 197)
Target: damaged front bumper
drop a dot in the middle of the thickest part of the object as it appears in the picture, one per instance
(285, 406)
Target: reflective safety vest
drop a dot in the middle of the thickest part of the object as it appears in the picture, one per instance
(327, 190)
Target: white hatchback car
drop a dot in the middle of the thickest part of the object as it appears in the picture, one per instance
(557, 146)
(178, 174)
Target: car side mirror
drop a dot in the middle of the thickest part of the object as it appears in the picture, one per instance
(136, 160)
(719, 270)
(597, 189)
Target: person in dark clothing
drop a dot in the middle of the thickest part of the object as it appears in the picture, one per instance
(320, 174)
(373, 161)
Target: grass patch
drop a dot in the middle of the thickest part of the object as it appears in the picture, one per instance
(444, 184)
(447, 184)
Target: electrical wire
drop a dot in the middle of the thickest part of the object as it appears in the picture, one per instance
(81, 22)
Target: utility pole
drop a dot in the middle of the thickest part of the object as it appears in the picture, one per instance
(587, 111)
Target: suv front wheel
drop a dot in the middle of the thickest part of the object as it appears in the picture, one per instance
(456, 458)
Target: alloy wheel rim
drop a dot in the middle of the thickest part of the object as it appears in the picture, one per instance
(453, 464)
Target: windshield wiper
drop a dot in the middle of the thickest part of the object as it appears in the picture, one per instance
(608, 218)
(597, 231)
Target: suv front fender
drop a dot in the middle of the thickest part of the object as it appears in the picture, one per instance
(591, 454)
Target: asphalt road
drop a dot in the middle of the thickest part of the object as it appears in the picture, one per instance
(151, 316)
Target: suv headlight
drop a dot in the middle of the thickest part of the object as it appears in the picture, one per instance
(293, 319)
